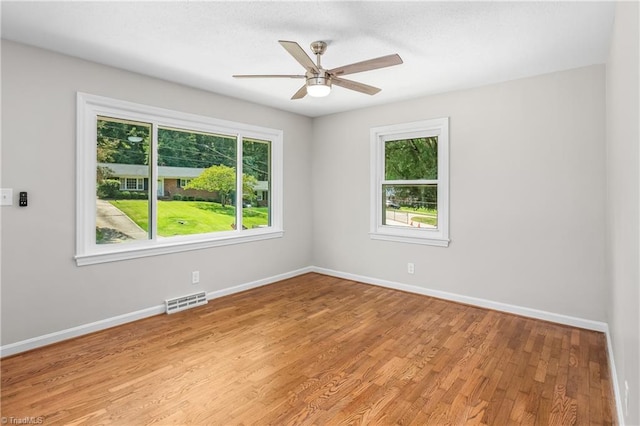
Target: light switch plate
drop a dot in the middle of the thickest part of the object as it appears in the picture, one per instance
(6, 197)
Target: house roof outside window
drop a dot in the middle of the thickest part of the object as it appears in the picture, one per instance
(164, 172)
(141, 170)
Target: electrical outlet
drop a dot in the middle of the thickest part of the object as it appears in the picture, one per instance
(410, 268)
(195, 277)
(626, 398)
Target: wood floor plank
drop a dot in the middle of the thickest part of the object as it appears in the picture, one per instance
(319, 350)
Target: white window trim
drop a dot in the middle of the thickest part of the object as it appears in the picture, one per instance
(426, 128)
(139, 184)
(88, 252)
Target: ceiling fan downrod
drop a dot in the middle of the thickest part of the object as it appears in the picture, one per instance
(318, 48)
(318, 83)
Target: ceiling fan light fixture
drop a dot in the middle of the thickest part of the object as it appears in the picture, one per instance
(319, 80)
(318, 87)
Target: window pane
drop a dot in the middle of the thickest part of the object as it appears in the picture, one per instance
(410, 205)
(411, 159)
(256, 161)
(196, 182)
(122, 205)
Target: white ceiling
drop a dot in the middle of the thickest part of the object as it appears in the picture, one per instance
(445, 45)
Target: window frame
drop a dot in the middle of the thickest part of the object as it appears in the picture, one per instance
(124, 182)
(378, 137)
(89, 107)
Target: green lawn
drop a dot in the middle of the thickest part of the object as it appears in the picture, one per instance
(191, 217)
(430, 215)
(432, 212)
(426, 219)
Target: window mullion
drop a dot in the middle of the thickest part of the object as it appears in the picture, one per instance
(410, 182)
(153, 183)
(239, 188)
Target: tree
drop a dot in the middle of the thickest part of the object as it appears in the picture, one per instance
(103, 172)
(114, 146)
(222, 179)
(108, 188)
(412, 159)
(255, 158)
(181, 148)
(178, 148)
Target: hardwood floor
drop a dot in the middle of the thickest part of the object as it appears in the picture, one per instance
(318, 350)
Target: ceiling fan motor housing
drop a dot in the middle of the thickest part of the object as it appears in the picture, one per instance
(318, 47)
(318, 84)
(320, 78)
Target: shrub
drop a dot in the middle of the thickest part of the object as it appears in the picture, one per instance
(211, 200)
(125, 194)
(177, 197)
(190, 198)
(109, 188)
(200, 199)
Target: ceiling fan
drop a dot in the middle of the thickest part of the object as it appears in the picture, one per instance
(319, 80)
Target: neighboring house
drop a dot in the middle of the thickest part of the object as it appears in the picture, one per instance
(171, 181)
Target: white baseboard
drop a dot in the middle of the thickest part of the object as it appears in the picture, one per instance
(614, 379)
(69, 333)
(258, 283)
(483, 303)
(502, 307)
(58, 336)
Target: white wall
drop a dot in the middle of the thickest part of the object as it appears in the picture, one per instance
(43, 290)
(527, 217)
(527, 197)
(528, 203)
(623, 215)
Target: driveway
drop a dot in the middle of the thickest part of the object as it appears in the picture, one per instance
(115, 225)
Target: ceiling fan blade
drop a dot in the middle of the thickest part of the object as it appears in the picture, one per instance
(354, 85)
(299, 55)
(371, 64)
(300, 93)
(268, 76)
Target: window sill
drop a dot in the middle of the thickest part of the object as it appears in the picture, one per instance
(160, 248)
(438, 242)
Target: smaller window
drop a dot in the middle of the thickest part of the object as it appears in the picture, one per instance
(132, 184)
(184, 182)
(410, 182)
